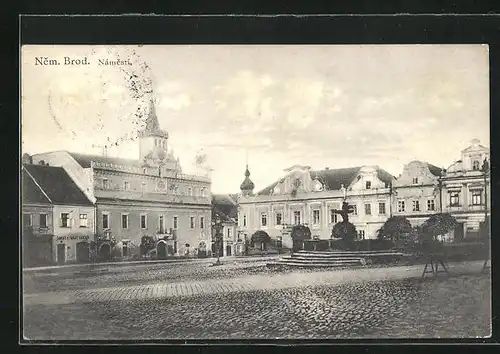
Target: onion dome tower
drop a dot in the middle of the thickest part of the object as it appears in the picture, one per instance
(247, 186)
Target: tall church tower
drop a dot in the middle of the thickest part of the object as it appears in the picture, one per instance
(153, 140)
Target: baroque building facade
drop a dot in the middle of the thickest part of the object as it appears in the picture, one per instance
(466, 191)
(150, 196)
(416, 192)
(307, 197)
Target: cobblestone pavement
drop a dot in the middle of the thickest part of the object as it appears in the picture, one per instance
(140, 274)
(277, 280)
(436, 307)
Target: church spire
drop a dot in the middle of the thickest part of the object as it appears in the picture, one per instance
(152, 127)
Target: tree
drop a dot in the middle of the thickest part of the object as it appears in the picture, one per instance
(147, 244)
(394, 228)
(261, 237)
(299, 234)
(344, 230)
(438, 225)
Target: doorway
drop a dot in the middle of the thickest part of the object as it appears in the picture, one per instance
(458, 234)
(61, 253)
(82, 252)
(161, 250)
(105, 252)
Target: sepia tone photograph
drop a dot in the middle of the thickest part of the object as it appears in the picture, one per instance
(199, 192)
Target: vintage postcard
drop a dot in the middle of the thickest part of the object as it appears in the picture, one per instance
(200, 192)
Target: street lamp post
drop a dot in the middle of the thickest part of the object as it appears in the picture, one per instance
(217, 226)
(485, 169)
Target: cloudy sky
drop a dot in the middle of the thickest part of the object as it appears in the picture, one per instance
(335, 106)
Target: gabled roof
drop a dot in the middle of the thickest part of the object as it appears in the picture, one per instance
(31, 193)
(57, 185)
(333, 179)
(85, 159)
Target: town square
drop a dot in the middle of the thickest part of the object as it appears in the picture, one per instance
(223, 192)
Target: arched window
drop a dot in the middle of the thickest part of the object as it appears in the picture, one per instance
(475, 165)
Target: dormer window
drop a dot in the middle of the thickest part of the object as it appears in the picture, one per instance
(368, 185)
(475, 165)
(415, 180)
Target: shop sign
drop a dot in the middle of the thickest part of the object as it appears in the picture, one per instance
(73, 237)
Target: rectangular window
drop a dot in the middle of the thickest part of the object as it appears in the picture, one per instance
(361, 234)
(415, 180)
(228, 232)
(263, 219)
(296, 217)
(175, 222)
(278, 218)
(144, 221)
(244, 220)
(126, 186)
(476, 197)
(105, 184)
(105, 221)
(202, 222)
(191, 222)
(43, 220)
(368, 184)
(316, 219)
(368, 209)
(190, 191)
(430, 205)
(401, 206)
(161, 224)
(381, 208)
(143, 187)
(202, 192)
(416, 205)
(84, 222)
(333, 216)
(454, 198)
(124, 221)
(64, 220)
(27, 220)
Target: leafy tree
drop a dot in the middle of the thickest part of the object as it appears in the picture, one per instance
(261, 237)
(438, 225)
(344, 230)
(147, 244)
(394, 228)
(299, 234)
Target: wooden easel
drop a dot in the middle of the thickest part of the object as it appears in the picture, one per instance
(434, 263)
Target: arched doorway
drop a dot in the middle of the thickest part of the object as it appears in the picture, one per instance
(202, 249)
(161, 250)
(82, 252)
(105, 252)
